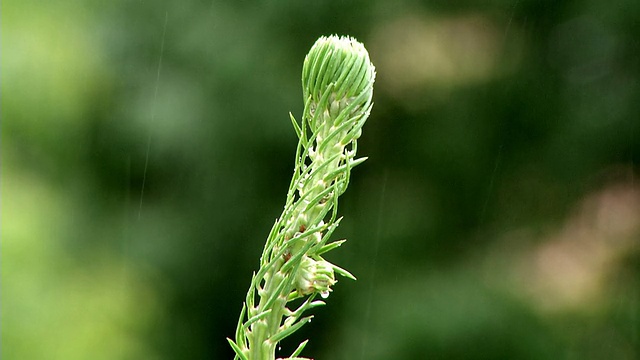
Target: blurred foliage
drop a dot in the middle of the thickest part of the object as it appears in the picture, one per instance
(497, 217)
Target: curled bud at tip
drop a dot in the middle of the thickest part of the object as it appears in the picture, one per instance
(337, 75)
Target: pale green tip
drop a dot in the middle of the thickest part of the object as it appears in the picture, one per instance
(341, 63)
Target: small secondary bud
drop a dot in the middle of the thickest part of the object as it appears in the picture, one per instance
(314, 276)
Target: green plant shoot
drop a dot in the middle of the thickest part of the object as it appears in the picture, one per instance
(337, 86)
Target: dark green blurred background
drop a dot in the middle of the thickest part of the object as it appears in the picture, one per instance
(498, 215)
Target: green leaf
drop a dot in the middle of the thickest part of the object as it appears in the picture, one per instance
(239, 329)
(296, 127)
(343, 272)
(299, 349)
(290, 330)
(260, 316)
(237, 350)
(329, 247)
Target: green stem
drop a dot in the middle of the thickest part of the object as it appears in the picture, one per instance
(337, 88)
